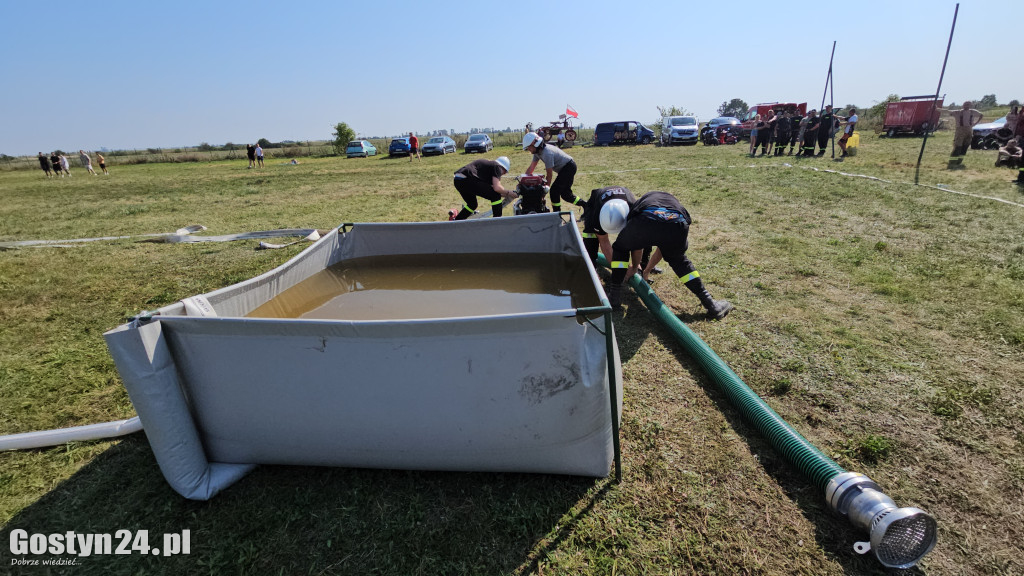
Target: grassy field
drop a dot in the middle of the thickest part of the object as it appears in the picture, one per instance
(883, 320)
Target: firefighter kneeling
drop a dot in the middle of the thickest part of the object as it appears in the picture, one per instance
(656, 219)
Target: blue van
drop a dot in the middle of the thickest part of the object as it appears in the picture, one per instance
(625, 132)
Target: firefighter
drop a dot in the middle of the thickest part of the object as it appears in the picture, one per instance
(555, 161)
(595, 237)
(482, 178)
(656, 219)
(796, 124)
(810, 133)
(782, 132)
(826, 126)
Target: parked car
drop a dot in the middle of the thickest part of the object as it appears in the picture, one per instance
(988, 135)
(478, 143)
(399, 147)
(439, 145)
(625, 132)
(679, 130)
(360, 148)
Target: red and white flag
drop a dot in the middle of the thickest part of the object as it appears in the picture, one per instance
(570, 112)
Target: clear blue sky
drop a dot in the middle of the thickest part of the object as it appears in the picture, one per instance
(87, 75)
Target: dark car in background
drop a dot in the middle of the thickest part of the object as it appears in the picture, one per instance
(399, 147)
(478, 143)
(439, 145)
(624, 132)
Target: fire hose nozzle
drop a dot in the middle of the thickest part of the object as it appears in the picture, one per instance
(899, 537)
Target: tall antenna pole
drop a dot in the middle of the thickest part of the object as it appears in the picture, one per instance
(935, 101)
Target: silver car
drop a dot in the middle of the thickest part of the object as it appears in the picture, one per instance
(478, 143)
(439, 145)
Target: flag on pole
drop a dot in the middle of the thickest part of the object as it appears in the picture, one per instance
(570, 112)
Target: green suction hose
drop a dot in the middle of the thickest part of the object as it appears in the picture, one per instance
(900, 537)
(811, 461)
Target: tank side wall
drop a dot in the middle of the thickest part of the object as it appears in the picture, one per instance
(524, 394)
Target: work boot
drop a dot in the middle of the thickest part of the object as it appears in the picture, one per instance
(717, 309)
(614, 292)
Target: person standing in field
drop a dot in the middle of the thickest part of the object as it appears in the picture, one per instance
(44, 163)
(414, 146)
(826, 123)
(753, 134)
(103, 164)
(782, 128)
(86, 161)
(482, 178)
(965, 118)
(555, 161)
(796, 130)
(259, 154)
(65, 165)
(810, 133)
(250, 152)
(55, 161)
(850, 126)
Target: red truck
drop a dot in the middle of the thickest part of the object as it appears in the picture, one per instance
(912, 115)
(748, 119)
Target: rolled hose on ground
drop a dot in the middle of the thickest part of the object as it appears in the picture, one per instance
(900, 537)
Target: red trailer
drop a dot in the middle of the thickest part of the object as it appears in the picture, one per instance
(913, 114)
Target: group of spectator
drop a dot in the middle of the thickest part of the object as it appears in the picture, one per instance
(56, 164)
(255, 154)
(775, 132)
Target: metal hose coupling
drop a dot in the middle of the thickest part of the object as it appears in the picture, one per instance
(900, 537)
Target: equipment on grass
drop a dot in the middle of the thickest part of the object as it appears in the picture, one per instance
(532, 190)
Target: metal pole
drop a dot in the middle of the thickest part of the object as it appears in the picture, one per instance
(832, 101)
(613, 389)
(828, 82)
(828, 78)
(935, 101)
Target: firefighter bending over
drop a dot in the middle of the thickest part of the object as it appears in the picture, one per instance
(656, 219)
(482, 178)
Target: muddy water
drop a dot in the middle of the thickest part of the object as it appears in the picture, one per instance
(437, 286)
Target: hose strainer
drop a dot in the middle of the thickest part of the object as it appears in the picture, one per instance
(900, 537)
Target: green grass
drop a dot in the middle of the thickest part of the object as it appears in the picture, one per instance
(883, 320)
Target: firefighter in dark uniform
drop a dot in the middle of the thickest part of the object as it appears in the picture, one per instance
(825, 128)
(782, 128)
(658, 219)
(794, 128)
(810, 133)
(482, 178)
(595, 237)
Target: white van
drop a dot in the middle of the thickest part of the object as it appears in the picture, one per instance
(679, 130)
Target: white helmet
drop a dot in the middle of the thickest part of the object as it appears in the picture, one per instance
(613, 215)
(503, 160)
(531, 138)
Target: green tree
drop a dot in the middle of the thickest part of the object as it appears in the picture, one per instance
(987, 101)
(264, 143)
(734, 107)
(1014, 102)
(878, 110)
(342, 134)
